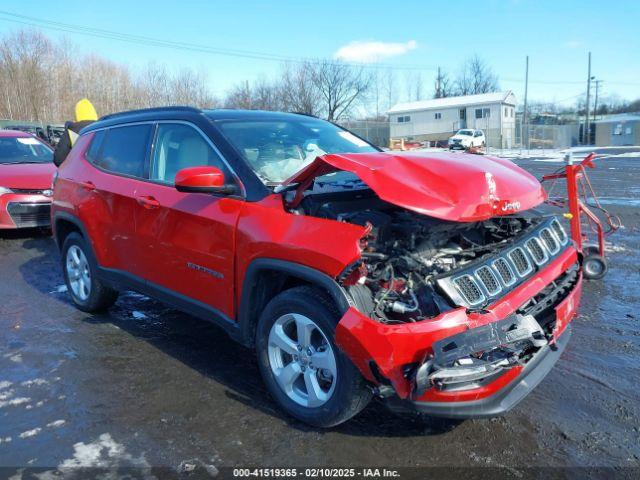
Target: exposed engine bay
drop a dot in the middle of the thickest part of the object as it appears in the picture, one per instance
(405, 254)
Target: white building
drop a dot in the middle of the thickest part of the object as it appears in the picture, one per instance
(438, 119)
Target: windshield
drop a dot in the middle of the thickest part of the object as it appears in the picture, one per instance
(24, 150)
(468, 133)
(276, 149)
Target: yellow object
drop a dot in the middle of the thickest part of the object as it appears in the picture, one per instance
(85, 111)
(568, 215)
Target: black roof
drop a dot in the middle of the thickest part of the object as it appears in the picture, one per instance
(187, 113)
(230, 114)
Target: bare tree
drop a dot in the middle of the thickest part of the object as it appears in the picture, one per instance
(390, 89)
(443, 86)
(239, 96)
(41, 81)
(476, 77)
(339, 85)
(297, 89)
(414, 86)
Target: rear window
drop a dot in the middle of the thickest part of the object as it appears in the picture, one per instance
(122, 150)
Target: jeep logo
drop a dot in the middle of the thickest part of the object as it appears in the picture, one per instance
(507, 206)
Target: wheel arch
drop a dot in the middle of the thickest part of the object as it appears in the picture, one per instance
(64, 224)
(266, 277)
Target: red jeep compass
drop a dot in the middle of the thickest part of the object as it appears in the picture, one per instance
(430, 280)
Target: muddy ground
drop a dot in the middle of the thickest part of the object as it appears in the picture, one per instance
(147, 386)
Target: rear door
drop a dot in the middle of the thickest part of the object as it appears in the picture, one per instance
(185, 241)
(120, 155)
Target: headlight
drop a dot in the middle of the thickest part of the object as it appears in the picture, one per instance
(4, 190)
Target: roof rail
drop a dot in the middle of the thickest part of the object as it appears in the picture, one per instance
(152, 110)
(305, 114)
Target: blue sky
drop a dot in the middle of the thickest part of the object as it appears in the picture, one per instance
(411, 36)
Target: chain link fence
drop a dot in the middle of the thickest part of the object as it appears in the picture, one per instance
(374, 131)
(521, 137)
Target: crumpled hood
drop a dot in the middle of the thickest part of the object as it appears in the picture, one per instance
(449, 186)
(27, 176)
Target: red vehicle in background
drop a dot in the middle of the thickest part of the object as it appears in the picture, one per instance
(431, 281)
(26, 173)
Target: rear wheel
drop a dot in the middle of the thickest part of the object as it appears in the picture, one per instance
(302, 367)
(87, 291)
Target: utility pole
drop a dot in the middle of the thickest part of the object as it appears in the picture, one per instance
(595, 105)
(524, 113)
(587, 138)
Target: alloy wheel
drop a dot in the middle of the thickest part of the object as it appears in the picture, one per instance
(78, 273)
(302, 360)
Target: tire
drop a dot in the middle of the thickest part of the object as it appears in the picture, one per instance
(340, 395)
(594, 266)
(79, 268)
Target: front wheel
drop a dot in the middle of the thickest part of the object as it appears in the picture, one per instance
(303, 369)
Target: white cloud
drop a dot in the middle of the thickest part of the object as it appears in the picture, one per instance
(372, 51)
(573, 44)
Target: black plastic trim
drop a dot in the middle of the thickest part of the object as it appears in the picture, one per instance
(71, 219)
(502, 401)
(119, 278)
(245, 320)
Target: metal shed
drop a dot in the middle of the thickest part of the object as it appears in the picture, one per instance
(618, 130)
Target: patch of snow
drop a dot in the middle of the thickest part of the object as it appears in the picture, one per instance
(136, 295)
(14, 401)
(31, 433)
(5, 384)
(7, 394)
(625, 155)
(608, 247)
(56, 423)
(5, 439)
(17, 358)
(35, 381)
(60, 289)
(138, 315)
(102, 453)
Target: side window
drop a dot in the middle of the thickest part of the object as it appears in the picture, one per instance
(478, 113)
(124, 150)
(180, 146)
(96, 144)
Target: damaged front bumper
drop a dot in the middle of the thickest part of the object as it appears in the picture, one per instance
(504, 398)
(465, 364)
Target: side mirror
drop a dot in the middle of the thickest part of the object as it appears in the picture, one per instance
(202, 180)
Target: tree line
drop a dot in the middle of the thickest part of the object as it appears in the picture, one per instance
(41, 80)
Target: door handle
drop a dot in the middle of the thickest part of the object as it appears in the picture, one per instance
(148, 202)
(88, 185)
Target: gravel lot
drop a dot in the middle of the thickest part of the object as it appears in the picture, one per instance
(146, 386)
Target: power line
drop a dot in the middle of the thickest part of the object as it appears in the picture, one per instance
(229, 52)
(156, 42)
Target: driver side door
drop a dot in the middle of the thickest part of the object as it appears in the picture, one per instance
(186, 240)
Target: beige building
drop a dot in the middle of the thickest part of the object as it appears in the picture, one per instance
(439, 118)
(618, 130)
